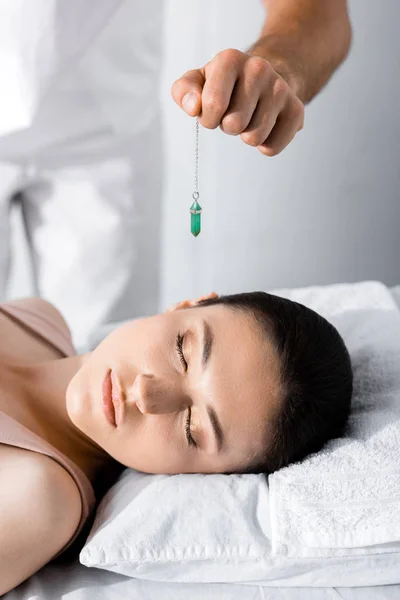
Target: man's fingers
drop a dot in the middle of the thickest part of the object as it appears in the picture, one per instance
(264, 118)
(187, 91)
(288, 123)
(191, 303)
(245, 97)
(221, 76)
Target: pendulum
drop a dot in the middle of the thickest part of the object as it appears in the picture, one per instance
(195, 216)
(195, 209)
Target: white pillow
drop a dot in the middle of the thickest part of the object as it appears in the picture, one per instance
(208, 528)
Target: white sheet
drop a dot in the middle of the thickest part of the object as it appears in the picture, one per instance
(76, 582)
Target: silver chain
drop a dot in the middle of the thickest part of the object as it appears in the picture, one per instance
(196, 162)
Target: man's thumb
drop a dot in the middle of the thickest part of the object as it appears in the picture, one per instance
(187, 90)
(190, 103)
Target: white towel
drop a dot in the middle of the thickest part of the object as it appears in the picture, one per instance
(345, 500)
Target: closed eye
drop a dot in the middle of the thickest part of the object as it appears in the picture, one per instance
(179, 349)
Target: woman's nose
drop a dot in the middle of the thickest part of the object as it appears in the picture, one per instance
(154, 396)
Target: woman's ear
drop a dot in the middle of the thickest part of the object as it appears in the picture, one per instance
(191, 303)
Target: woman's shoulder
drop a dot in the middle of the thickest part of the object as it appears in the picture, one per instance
(40, 307)
(24, 467)
(39, 317)
(35, 524)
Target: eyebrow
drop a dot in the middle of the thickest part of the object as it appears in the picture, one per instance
(208, 339)
(215, 422)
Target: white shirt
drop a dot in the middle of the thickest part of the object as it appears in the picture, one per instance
(76, 72)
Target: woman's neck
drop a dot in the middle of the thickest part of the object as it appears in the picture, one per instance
(41, 391)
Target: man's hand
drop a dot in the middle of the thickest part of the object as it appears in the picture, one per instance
(243, 95)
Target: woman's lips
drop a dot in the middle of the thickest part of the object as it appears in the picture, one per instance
(118, 399)
(107, 399)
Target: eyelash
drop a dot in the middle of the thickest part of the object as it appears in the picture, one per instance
(179, 344)
(190, 439)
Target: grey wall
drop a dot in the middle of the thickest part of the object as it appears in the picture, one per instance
(326, 210)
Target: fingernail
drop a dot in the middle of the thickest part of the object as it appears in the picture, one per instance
(189, 102)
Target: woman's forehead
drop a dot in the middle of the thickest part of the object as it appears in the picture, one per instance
(222, 314)
(244, 378)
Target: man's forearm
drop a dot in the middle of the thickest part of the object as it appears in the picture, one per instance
(305, 41)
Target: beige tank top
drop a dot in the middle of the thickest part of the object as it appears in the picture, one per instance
(15, 434)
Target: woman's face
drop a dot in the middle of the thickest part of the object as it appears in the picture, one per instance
(198, 387)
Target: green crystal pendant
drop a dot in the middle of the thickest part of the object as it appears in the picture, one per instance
(195, 218)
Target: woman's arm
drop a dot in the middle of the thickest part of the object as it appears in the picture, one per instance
(304, 41)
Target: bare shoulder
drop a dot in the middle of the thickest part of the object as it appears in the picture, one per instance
(40, 306)
(22, 336)
(40, 509)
